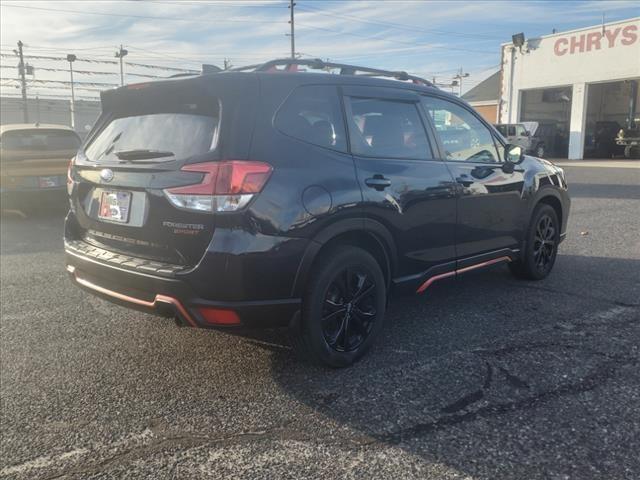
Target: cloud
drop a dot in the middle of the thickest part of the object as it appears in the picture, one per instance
(427, 38)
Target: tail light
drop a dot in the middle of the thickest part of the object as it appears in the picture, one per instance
(226, 186)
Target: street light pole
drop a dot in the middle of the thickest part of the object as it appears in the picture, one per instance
(23, 82)
(72, 58)
(121, 54)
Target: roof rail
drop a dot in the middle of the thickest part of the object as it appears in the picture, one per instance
(291, 65)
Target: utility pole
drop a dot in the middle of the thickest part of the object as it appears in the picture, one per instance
(121, 54)
(72, 58)
(293, 30)
(459, 77)
(23, 81)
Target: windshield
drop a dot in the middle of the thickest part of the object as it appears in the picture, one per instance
(180, 134)
(33, 143)
(502, 129)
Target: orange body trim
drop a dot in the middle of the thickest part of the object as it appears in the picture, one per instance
(137, 301)
(430, 280)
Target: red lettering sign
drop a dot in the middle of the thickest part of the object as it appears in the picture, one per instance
(629, 35)
(596, 41)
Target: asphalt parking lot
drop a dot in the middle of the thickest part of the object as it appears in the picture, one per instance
(484, 377)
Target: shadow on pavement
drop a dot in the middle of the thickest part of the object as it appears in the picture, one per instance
(461, 374)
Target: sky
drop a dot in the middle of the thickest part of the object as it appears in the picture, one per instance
(425, 38)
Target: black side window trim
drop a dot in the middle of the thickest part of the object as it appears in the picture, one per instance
(348, 114)
(498, 144)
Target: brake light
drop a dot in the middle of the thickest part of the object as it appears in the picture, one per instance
(226, 186)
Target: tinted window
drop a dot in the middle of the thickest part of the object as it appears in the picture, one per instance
(462, 134)
(313, 114)
(24, 140)
(183, 134)
(385, 128)
(186, 129)
(512, 131)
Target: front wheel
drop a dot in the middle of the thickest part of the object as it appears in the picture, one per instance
(541, 245)
(343, 308)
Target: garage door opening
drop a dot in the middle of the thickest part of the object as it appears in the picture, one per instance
(609, 107)
(551, 108)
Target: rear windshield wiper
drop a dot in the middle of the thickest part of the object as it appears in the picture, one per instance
(142, 154)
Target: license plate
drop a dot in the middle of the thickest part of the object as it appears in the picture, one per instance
(49, 182)
(115, 206)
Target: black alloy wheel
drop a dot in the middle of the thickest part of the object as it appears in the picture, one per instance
(349, 309)
(544, 242)
(540, 249)
(342, 309)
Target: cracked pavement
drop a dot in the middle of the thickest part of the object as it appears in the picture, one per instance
(484, 377)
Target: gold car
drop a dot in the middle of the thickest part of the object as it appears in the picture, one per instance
(33, 163)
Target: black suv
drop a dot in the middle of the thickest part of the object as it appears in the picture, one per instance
(272, 196)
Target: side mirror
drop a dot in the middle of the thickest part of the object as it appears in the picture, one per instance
(513, 154)
(527, 133)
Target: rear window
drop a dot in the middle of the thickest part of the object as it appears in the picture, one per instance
(313, 114)
(177, 134)
(39, 140)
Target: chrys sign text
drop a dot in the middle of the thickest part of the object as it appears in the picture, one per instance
(587, 42)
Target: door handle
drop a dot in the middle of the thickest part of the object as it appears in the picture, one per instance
(378, 182)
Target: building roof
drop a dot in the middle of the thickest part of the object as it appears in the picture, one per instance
(487, 90)
(30, 126)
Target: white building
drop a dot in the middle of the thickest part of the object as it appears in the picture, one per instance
(573, 79)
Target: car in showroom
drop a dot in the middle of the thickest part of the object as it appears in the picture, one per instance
(34, 159)
(276, 196)
(536, 138)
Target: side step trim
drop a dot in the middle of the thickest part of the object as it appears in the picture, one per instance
(431, 280)
(137, 301)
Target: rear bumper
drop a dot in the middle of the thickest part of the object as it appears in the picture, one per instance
(172, 296)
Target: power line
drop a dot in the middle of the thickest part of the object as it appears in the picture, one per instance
(86, 72)
(52, 95)
(64, 82)
(395, 25)
(222, 3)
(142, 17)
(108, 62)
(484, 52)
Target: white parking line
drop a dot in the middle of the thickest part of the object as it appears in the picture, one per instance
(600, 163)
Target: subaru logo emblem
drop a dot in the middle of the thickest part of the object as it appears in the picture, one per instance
(106, 175)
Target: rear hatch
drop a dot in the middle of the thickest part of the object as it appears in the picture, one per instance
(36, 157)
(143, 147)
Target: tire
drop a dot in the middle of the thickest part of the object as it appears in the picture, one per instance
(336, 329)
(541, 245)
(631, 152)
(540, 151)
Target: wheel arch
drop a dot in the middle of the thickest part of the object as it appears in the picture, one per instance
(553, 201)
(367, 234)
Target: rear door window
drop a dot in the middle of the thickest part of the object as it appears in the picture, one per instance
(387, 129)
(176, 134)
(313, 113)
